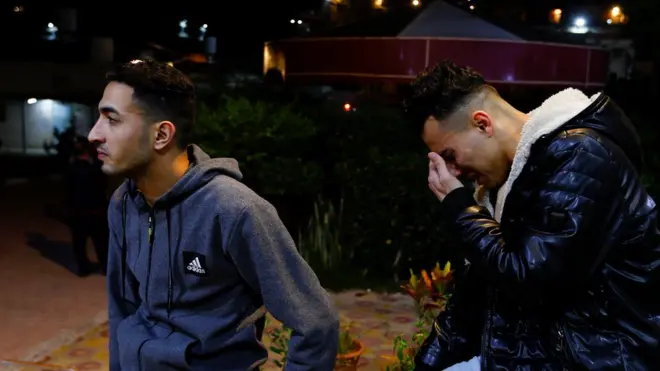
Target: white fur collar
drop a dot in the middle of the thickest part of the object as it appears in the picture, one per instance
(548, 117)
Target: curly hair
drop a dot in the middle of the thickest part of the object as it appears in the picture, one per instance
(162, 92)
(441, 90)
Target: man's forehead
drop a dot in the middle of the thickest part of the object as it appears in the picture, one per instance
(433, 134)
(117, 97)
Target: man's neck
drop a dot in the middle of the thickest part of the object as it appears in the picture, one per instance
(162, 175)
(517, 121)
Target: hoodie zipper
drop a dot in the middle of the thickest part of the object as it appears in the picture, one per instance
(151, 229)
(150, 233)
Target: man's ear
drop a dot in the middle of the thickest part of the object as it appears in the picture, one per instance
(165, 133)
(482, 121)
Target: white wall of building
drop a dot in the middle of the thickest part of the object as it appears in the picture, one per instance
(25, 126)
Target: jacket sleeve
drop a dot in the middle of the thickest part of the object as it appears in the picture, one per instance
(266, 257)
(121, 303)
(456, 333)
(556, 240)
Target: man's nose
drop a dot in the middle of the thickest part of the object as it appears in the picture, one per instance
(95, 134)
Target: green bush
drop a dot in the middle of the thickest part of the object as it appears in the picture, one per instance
(390, 215)
(271, 143)
(298, 153)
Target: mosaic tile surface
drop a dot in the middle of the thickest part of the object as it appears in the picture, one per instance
(375, 318)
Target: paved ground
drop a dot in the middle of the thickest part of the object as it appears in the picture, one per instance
(40, 300)
(376, 319)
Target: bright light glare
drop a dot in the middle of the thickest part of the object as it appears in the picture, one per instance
(580, 22)
(32, 101)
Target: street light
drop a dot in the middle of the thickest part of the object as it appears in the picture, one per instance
(415, 3)
(555, 16)
(616, 16)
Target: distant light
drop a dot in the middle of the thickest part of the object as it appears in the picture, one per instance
(471, 7)
(616, 11)
(205, 26)
(171, 64)
(557, 12)
(347, 107)
(292, 21)
(50, 25)
(415, 2)
(32, 101)
(579, 26)
(299, 21)
(136, 61)
(609, 21)
(18, 9)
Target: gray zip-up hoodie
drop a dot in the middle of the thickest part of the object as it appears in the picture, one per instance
(187, 276)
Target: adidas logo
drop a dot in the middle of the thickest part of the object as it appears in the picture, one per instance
(196, 266)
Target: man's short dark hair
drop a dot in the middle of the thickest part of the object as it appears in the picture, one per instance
(162, 92)
(441, 90)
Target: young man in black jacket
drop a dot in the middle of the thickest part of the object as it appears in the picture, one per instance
(563, 262)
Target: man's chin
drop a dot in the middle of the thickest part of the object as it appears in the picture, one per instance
(487, 183)
(108, 169)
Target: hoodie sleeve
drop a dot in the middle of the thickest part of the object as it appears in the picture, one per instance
(119, 304)
(267, 258)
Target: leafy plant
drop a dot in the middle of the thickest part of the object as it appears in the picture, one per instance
(320, 242)
(430, 294)
(279, 344)
(280, 336)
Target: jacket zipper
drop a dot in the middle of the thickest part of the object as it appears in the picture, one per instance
(564, 348)
(485, 337)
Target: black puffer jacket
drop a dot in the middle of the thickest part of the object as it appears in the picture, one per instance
(570, 278)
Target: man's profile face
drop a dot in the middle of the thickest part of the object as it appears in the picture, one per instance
(121, 136)
(470, 151)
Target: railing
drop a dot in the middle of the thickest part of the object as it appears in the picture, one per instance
(398, 58)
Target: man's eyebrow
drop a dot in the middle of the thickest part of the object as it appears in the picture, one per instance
(108, 109)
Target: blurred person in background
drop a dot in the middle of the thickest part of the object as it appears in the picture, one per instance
(87, 205)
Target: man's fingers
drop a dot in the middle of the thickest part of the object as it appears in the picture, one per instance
(439, 164)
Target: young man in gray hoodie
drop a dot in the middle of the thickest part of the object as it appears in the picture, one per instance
(195, 256)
